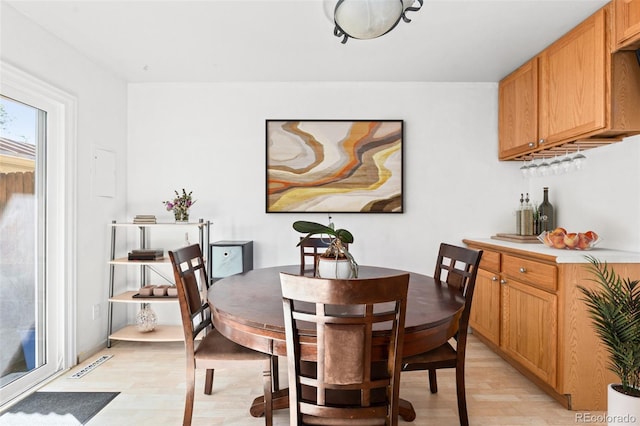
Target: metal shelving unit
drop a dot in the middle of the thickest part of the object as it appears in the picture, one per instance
(162, 333)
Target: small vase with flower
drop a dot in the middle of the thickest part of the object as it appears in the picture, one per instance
(180, 205)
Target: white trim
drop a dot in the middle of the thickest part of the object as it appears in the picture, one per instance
(62, 208)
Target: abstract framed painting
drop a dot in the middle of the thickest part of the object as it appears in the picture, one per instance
(334, 166)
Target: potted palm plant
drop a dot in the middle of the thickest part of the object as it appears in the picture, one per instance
(336, 261)
(614, 306)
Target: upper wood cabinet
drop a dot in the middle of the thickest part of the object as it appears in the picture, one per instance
(581, 92)
(518, 111)
(573, 74)
(627, 24)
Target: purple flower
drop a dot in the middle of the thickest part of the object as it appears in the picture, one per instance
(180, 202)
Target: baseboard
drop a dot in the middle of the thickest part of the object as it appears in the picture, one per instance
(83, 356)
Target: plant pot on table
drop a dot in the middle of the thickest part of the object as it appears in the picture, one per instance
(334, 268)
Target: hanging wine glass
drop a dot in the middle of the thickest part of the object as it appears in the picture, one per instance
(524, 168)
(579, 160)
(543, 167)
(555, 165)
(532, 170)
(566, 163)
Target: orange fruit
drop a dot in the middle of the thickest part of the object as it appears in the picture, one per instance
(592, 236)
(571, 240)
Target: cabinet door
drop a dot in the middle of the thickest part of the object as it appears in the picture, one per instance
(573, 82)
(530, 328)
(518, 111)
(627, 23)
(485, 308)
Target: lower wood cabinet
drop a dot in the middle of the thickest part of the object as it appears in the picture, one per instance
(529, 310)
(485, 309)
(515, 308)
(529, 328)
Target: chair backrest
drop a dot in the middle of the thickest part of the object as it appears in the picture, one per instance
(340, 377)
(189, 271)
(312, 247)
(458, 268)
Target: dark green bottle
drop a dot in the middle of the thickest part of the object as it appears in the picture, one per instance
(546, 215)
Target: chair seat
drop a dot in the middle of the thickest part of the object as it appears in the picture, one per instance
(215, 347)
(440, 357)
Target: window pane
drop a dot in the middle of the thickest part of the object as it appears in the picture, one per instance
(21, 279)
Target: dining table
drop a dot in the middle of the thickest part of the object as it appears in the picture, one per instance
(247, 309)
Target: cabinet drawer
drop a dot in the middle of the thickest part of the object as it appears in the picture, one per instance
(539, 274)
(490, 261)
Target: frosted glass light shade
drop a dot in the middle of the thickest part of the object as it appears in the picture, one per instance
(367, 19)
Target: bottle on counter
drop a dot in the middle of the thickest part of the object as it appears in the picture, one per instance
(519, 214)
(526, 218)
(546, 215)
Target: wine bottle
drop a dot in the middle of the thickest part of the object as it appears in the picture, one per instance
(546, 214)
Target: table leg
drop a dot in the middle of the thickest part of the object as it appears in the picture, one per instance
(281, 400)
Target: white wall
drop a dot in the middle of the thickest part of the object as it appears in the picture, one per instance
(603, 196)
(210, 138)
(101, 123)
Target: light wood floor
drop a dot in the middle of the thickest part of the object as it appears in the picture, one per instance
(151, 380)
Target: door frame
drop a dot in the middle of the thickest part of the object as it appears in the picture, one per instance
(60, 244)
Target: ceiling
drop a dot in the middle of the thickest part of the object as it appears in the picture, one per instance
(292, 40)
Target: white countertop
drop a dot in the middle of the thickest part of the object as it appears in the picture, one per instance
(568, 256)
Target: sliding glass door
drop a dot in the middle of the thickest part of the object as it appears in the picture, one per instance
(37, 231)
(23, 284)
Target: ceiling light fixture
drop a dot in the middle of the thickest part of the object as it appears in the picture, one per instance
(367, 19)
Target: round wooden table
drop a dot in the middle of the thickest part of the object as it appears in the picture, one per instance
(247, 308)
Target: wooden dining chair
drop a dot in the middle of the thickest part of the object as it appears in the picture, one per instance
(340, 380)
(456, 267)
(312, 248)
(190, 276)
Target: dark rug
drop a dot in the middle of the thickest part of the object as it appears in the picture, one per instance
(57, 408)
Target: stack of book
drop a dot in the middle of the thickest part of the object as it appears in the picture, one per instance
(146, 254)
(144, 218)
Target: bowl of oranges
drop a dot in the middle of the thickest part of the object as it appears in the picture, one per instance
(561, 239)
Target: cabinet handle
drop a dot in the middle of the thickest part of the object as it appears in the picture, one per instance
(503, 281)
(532, 144)
(523, 269)
(541, 141)
(494, 278)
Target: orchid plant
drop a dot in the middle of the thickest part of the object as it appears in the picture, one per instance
(339, 238)
(180, 205)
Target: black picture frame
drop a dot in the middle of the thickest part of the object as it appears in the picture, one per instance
(334, 166)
